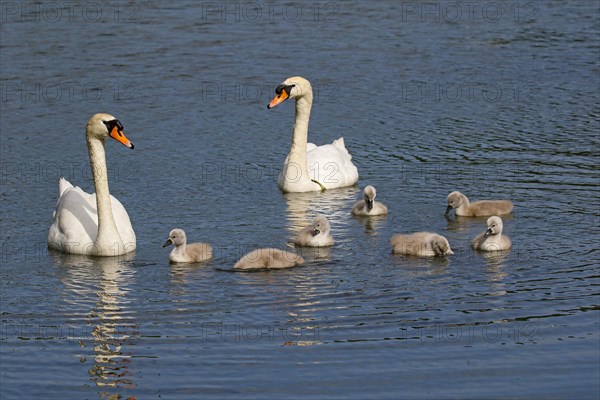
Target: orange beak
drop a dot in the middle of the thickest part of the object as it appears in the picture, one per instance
(120, 137)
(280, 98)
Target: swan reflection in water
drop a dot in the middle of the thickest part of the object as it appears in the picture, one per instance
(335, 205)
(418, 267)
(495, 261)
(372, 223)
(111, 326)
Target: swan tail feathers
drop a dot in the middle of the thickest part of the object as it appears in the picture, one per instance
(63, 185)
(339, 143)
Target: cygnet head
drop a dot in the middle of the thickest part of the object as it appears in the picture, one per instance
(101, 126)
(441, 246)
(320, 225)
(369, 194)
(295, 87)
(176, 237)
(494, 226)
(455, 199)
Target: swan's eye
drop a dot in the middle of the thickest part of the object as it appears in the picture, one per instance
(110, 125)
(287, 88)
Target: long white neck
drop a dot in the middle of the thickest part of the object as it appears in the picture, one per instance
(108, 241)
(297, 161)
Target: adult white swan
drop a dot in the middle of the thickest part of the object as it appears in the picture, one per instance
(309, 167)
(93, 224)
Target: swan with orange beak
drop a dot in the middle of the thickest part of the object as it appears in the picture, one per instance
(309, 167)
(93, 224)
(115, 131)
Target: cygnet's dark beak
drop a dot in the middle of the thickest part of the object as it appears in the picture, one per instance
(167, 243)
(448, 209)
(315, 232)
(369, 203)
(488, 232)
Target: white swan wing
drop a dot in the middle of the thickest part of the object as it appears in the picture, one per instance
(331, 165)
(75, 220)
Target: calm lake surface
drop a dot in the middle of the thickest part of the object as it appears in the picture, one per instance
(495, 99)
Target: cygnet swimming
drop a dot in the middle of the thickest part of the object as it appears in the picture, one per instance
(183, 252)
(482, 208)
(368, 206)
(492, 239)
(423, 244)
(268, 258)
(316, 234)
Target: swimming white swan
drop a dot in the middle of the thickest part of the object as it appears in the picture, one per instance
(316, 234)
(268, 258)
(93, 224)
(482, 208)
(309, 167)
(369, 206)
(183, 252)
(424, 244)
(492, 239)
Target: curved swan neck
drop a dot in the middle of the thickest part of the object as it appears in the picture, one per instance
(107, 228)
(300, 137)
